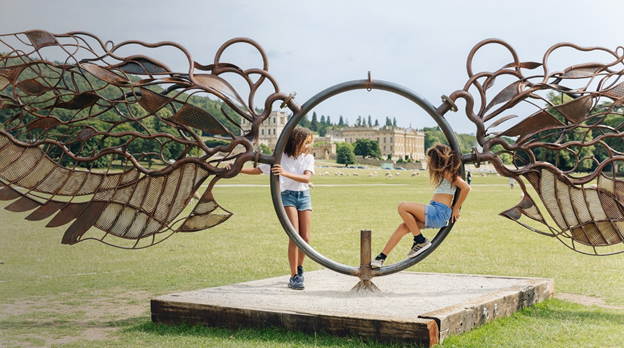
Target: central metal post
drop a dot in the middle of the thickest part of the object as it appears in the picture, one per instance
(365, 271)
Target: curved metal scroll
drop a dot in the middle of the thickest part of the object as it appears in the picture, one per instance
(281, 144)
(110, 141)
(568, 150)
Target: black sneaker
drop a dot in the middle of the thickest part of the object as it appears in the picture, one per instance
(377, 262)
(300, 272)
(418, 248)
(296, 283)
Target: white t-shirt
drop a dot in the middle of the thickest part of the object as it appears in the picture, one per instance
(294, 165)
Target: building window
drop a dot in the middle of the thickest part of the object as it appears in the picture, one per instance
(384, 140)
(273, 131)
(384, 148)
(273, 120)
(390, 148)
(263, 132)
(390, 139)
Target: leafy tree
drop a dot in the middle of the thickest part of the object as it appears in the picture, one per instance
(394, 122)
(367, 148)
(265, 149)
(344, 154)
(466, 142)
(359, 121)
(212, 143)
(433, 136)
(376, 123)
(341, 121)
(305, 122)
(370, 121)
(329, 123)
(323, 120)
(388, 121)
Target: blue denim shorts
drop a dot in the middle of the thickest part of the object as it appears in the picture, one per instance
(298, 199)
(437, 215)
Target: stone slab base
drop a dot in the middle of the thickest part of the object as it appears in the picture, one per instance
(414, 307)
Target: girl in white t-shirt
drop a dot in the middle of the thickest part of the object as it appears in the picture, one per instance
(295, 171)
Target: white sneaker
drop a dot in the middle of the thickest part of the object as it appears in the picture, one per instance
(377, 263)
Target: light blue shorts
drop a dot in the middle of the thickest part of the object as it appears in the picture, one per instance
(298, 199)
(437, 215)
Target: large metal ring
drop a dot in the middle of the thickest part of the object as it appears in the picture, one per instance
(279, 150)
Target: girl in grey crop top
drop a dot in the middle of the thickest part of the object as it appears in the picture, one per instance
(442, 163)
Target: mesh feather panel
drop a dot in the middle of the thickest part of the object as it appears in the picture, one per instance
(549, 198)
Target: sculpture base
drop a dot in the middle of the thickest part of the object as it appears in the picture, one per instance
(414, 307)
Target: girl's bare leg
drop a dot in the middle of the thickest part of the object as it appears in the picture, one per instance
(413, 215)
(293, 251)
(395, 238)
(305, 219)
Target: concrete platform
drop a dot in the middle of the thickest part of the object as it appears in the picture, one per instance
(412, 307)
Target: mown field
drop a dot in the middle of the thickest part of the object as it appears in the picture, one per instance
(90, 294)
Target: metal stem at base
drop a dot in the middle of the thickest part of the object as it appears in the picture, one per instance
(365, 273)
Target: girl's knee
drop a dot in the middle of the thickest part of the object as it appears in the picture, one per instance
(402, 206)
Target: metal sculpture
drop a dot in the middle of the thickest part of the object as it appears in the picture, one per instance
(77, 136)
(551, 147)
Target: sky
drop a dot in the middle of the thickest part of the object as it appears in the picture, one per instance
(314, 45)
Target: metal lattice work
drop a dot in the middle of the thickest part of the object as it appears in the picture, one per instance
(568, 151)
(102, 139)
(114, 141)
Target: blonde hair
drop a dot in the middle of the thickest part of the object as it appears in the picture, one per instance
(442, 159)
(295, 145)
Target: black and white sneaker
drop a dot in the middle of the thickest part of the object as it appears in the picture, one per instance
(418, 248)
(296, 283)
(377, 262)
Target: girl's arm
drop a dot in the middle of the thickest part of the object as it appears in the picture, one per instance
(304, 178)
(251, 171)
(245, 170)
(463, 193)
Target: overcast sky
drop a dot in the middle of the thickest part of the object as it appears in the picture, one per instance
(313, 45)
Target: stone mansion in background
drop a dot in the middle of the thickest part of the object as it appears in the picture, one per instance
(396, 142)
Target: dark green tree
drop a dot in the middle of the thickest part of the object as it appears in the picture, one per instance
(367, 148)
(344, 154)
(314, 125)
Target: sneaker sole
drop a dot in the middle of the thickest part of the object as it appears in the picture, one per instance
(375, 266)
(294, 288)
(419, 251)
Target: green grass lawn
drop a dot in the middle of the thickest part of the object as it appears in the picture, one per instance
(90, 294)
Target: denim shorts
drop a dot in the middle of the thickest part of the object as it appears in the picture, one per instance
(437, 215)
(298, 199)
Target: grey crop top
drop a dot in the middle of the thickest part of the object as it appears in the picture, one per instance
(445, 187)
